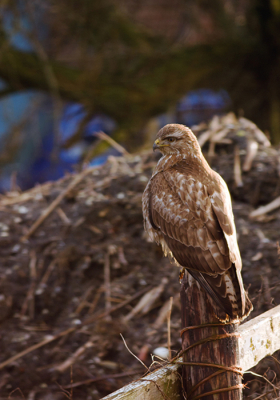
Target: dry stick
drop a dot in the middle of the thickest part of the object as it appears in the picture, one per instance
(211, 151)
(103, 378)
(77, 179)
(70, 330)
(94, 318)
(95, 300)
(237, 167)
(202, 139)
(168, 327)
(263, 377)
(144, 365)
(33, 274)
(71, 360)
(265, 394)
(252, 151)
(7, 200)
(29, 300)
(36, 346)
(162, 315)
(277, 363)
(107, 283)
(82, 302)
(265, 209)
(47, 274)
(112, 142)
(219, 136)
(63, 216)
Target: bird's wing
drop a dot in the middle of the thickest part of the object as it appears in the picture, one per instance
(221, 204)
(181, 209)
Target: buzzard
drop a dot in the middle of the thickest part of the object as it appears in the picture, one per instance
(187, 210)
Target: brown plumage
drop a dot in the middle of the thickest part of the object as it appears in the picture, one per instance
(187, 209)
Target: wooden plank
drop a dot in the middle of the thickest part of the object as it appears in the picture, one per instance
(258, 338)
(158, 385)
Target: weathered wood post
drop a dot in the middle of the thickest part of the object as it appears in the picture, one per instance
(202, 346)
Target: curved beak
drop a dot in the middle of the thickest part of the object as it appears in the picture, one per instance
(156, 145)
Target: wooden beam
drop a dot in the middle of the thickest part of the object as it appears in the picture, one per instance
(259, 337)
(164, 383)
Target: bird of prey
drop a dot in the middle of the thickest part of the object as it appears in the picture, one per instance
(187, 210)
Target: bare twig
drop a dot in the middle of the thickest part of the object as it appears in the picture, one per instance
(265, 394)
(266, 292)
(77, 179)
(133, 353)
(265, 209)
(168, 327)
(36, 346)
(112, 142)
(277, 363)
(211, 150)
(258, 134)
(29, 300)
(47, 274)
(74, 357)
(252, 150)
(82, 302)
(103, 378)
(121, 255)
(94, 318)
(237, 167)
(14, 198)
(202, 139)
(13, 391)
(95, 300)
(162, 315)
(219, 136)
(147, 301)
(107, 284)
(263, 377)
(63, 216)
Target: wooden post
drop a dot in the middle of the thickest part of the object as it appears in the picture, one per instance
(221, 349)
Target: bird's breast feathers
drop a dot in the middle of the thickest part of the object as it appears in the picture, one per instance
(192, 208)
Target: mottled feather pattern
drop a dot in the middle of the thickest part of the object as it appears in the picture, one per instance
(187, 210)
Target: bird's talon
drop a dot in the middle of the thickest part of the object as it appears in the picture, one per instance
(181, 274)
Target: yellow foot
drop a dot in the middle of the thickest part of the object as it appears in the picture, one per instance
(182, 273)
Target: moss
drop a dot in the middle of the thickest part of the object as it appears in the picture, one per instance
(271, 325)
(252, 345)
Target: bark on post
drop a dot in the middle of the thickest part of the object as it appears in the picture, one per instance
(223, 351)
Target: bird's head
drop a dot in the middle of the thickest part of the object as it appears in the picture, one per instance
(176, 139)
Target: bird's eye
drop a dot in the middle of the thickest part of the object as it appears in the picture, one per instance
(171, 139)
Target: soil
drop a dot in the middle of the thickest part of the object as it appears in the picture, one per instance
(76, 280)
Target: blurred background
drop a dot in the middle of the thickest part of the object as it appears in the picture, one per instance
(69, 69)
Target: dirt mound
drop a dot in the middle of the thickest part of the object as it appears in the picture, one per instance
(70, 284)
